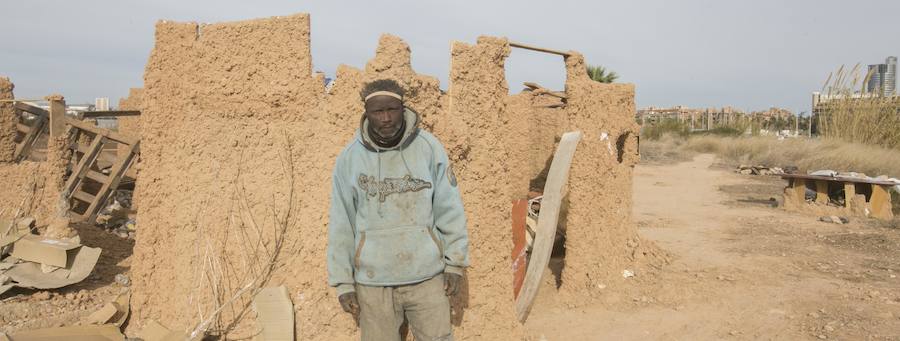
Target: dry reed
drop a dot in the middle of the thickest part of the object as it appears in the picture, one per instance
(848, 113)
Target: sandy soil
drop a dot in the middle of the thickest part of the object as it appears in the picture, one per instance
(741, 269)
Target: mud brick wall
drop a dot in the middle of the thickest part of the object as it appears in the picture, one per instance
(8, 121)
(31, 188)
(230, 131)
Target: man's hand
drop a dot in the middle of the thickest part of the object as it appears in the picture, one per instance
(350, 304)
(452, 282)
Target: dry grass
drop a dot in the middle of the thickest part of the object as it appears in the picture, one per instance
(806, 154)
(664, 150)
(869, 119)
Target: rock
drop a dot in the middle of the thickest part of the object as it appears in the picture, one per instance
(834, 219)
(822, 336)
(41, 295)
(829, 328)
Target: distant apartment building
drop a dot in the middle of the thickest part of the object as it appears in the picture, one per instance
(882, 78)
(101, 103)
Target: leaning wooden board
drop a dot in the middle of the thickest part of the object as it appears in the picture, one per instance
(554, 189)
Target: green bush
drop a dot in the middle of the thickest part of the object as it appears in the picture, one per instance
(666, 127)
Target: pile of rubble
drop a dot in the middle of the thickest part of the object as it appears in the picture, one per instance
(761, 170)
(28, 260)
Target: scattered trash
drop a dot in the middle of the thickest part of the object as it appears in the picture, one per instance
(106, 332)
(114, 312)
(44, 263)
(42, 250)
(627, 273)
(834, 219)
(123, 280)
(274, 314)
(759, 170)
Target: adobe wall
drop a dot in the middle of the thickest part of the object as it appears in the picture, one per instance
(218, 113)
(8, 121)
(29, 187)
(601, 239)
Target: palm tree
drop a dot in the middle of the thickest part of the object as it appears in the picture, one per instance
(600, 74)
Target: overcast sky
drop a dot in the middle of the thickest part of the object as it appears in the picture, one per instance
(748, 54)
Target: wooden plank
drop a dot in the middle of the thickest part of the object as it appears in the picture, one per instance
(23, 128)
(520, 245)
(849, 193)
(100, 131)
(110, 113)
(86, 160)
(23, 149)
(543, 90)
(551, 203)
(835, 178)
(83, 196)
(32, 109)
(880, 203)
(115, 174)
(96, 176)
(539, 49)
(821, 192)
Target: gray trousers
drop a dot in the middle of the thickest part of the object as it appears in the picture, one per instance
(425, 305)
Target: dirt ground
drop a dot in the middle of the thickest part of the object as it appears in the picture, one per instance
(741, 269)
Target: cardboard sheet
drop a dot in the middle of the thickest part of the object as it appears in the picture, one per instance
(275, 314)
(29, 275)
(153, 331)
(42, 250)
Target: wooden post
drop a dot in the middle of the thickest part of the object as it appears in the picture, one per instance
(849, 193)
(880, 202)
(821, 191)
(57, 118)
(799, 188)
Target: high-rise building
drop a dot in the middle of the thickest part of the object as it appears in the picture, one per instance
(883, 77)
(890, 76)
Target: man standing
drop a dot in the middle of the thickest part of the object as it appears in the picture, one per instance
(397, 239)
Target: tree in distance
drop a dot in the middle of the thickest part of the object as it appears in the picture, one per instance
(601, 74)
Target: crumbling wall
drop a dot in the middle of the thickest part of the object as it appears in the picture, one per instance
(8, 121)
(30, 189)
(474, 133)
(232, 131)
(601, 239)
(229, 130)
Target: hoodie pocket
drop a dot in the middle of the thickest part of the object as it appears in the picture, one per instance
(398, 256)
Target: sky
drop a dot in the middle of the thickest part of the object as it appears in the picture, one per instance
(747, 54)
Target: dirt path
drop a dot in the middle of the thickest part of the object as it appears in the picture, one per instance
(741, 269)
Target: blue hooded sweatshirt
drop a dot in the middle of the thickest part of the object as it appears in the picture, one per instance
(396, 214)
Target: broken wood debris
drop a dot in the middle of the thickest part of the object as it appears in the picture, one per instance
(539, 49)
(536, 88)
(759, 170)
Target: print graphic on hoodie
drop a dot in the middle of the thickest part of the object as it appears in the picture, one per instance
(389, 186)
